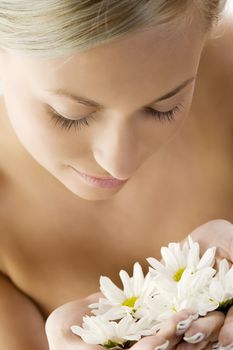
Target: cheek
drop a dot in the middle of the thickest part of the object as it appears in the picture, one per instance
(179, 119)
(47, 143)
(157, 133)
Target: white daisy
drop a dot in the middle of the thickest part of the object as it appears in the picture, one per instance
(221, 286)
(183, 279)
(118, 302)
(98, 330)
(177, 258)
(193, 290)
(190, 292)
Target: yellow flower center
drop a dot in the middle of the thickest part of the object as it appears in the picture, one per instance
(119, 343)
(174, 309)
(130, 302)
(177, 276)
(112, 343)
(225, 305)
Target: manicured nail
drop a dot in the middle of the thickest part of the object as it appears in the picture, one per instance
(226, 347)
(196, 338)
(182, 326)
(163, 346)
(216, 346)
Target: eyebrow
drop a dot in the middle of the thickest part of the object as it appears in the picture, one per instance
(90, 103)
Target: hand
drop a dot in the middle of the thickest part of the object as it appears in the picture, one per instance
(60, 337)
(168, 337)
(57, 327)
(217, 233)
(214, 326)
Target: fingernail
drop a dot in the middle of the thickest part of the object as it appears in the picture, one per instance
(163, 346)
(226, 347)
(216, 346)
(182, 326)
(196, 338)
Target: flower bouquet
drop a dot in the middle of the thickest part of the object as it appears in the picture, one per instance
(181, 280)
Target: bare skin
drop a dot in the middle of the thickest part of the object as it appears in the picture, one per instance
(57, 244)
(215, 327)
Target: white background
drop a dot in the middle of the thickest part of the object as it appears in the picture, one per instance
(229, 6)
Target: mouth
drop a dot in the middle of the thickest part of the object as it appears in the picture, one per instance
(101, 182)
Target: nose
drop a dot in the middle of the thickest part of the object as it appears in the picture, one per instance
(117, 150)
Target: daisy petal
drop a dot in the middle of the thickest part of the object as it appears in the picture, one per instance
(110, 290)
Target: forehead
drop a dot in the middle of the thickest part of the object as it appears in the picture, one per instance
(148, 58)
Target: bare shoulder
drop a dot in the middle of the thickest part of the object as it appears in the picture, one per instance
(217, 56)
(4, 142)
(3, 233)
(215, 75)
(220, 46)
(8, 140)
(4, 151)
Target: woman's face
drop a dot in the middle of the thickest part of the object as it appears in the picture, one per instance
(132, 96)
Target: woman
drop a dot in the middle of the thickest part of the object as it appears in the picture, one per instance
(107, 150)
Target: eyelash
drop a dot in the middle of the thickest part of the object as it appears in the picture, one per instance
(67, 124)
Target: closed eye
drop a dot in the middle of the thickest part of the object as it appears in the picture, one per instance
(77, 124)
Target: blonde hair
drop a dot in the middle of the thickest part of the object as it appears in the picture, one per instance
(54, 28)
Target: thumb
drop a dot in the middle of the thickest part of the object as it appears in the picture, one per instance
(58, 325)
(218, 233)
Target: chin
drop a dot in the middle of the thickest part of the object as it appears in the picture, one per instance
(92, 194)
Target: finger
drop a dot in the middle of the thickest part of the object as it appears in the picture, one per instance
(94, 297)
(226, 335)
(166, 338)
(218, 233)
(201, 346)
(209, 346)
(58, 325)
(205, 328)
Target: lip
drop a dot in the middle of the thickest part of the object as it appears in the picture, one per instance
(101, 182)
